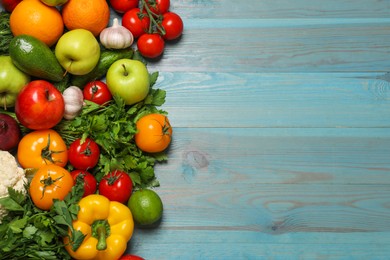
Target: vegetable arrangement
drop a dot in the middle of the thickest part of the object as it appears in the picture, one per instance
(79, 136)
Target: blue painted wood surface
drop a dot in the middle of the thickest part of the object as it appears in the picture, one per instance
(281, 149)
(281, 115)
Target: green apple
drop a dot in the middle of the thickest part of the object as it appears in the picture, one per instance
(128, 79)
(78, 51)
(12, 80)
(54, 2)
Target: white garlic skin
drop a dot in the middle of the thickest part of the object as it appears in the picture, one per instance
(74, 101)
(116, 36)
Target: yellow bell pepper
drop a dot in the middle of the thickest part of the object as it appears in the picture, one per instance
(107, 226)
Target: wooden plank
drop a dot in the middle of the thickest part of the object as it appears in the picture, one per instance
(272, 193)
(277, 156)
(281, 9)
(277, 99)
(261, 45)
(279, 251)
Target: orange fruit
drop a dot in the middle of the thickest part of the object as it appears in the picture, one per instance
(90, 15)
(34, 18)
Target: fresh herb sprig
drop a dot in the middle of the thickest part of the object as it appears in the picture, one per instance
(27, 232)
(113, 127)
(5, 33)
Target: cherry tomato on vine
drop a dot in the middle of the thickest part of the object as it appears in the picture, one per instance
(84, 155)
(173, 26)
(116, 186)
(151, 45)
(159, 6)
(136, 22)
(90, 184)
(42, 147)
(154, 133)
(50, 182)
(97, 91)
(121, 6)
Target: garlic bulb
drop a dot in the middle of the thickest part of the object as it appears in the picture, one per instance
(116, 36)
(74, 101)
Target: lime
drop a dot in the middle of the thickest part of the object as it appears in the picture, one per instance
(146, 207)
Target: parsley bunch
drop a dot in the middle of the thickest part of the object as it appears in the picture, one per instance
(113, 127)
(27, 232)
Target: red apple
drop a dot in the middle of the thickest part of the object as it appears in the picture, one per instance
(9, 132)
(39, 105)
(9, 5)
(122, 6)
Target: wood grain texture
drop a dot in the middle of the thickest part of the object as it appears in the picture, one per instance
(280, 9)
(281, 116)
(277, 99)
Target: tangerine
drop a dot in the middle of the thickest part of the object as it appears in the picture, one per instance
(90, 15)
(32, 17)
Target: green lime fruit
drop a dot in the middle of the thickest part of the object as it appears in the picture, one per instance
(146, 207)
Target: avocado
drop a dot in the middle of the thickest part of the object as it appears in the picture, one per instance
(35, 58)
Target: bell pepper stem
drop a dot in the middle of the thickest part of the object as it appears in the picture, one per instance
(101, 245)
(101, 230)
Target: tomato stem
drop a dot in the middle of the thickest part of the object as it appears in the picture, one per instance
(48, 182)
(46, 153)
(155, 19)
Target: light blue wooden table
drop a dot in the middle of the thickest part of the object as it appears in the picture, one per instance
(281, 115)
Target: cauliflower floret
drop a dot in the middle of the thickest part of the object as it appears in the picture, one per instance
(11, 175)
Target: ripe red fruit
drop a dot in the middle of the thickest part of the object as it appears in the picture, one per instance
(9, 132)
(39, 105)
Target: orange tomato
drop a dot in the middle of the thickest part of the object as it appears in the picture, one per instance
(50, 182)
(42, 147)
(154, 133)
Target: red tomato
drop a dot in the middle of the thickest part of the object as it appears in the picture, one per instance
(173, 26)
(90, 184)
(130, 257)
(151, 45)
(97, 91)
(122, 6)
(116, 186)
(136, 22)
(84, 155)
(160, 6)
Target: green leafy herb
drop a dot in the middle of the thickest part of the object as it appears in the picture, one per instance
(113, 127)
(27, 232)
(5, 33)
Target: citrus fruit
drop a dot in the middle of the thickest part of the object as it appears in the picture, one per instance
(146, 207)
(32, 17)
(90, 15)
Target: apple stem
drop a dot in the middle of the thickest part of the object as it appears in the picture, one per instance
(125, 70)
(66, 71)
(4, 102)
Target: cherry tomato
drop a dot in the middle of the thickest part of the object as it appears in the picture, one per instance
(160, 6)
(154, 133)
(84, 155)
(151, 45)
(121, 6)
(136, 22)
(130, 257)
(97, 91)
(90, 184)
(173, 25)
(50, 182)
(116, 186)
(42, 147)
